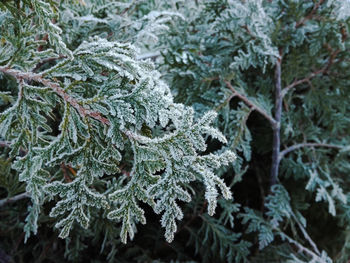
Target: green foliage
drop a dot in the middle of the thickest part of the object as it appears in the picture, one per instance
(108, 112)
(103, 97)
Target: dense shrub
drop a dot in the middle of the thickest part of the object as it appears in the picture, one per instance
(110, 122)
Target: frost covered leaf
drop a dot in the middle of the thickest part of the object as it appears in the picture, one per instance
(77, 199)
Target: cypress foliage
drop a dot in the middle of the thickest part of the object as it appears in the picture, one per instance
(221, 126)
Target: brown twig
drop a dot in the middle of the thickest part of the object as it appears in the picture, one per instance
(58, 90)
(74, 173)
(45, 38)
(312, 75)
(309, 16)
(65, 173)
(248, 31)
(20, 76)
(250, 103)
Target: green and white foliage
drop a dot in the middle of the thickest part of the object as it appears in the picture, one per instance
(110, 19)
(163, 166)
(240, 42)
(20, 23)
(340, 9)
(252, 25)
(103, 104)
(90, 129)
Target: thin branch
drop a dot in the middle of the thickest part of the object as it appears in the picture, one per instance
(65, 173)
(57, 89)
(250, 104)
(20, 76)
(309, 16)
(312, 75)
(14, 198)
(306, 235)
(301, 81)
(277, 128)
(245, 27)
(297, 146)
(301, 248)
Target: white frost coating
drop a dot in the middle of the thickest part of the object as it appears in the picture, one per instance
(342, 11)
(109, 100)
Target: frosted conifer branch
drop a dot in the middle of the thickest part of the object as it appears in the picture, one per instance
(137, 98)
(57, 89)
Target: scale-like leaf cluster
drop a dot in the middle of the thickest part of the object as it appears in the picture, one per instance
(103, 104)
(107, 120)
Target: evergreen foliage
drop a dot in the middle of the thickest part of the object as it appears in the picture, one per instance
(224, 122)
